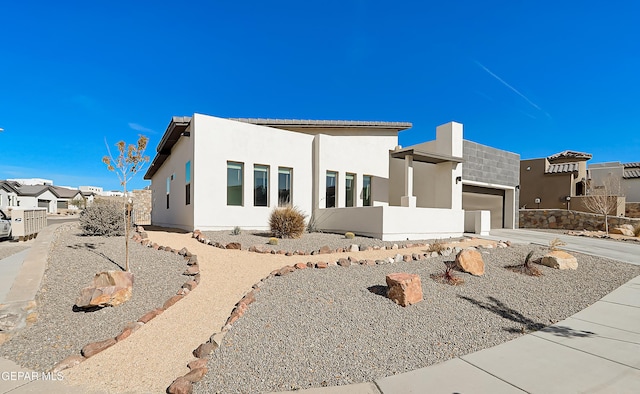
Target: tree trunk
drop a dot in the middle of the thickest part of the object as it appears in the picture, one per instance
(126, 229)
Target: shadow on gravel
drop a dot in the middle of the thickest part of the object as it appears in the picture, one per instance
(501, 309)
(378, 290)
(91, 247)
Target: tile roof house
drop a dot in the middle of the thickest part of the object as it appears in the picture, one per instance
(213, 173)
(551, 182)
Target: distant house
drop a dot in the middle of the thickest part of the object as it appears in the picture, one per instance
(53, 198)
(213, 174)
(8, 195)
(551, 182)
(628, 174)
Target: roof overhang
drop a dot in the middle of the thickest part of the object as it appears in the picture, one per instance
(174, 131)
(425, 157)
(307, 123)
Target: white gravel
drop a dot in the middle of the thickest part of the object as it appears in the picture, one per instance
(73, 261)
(316, 328)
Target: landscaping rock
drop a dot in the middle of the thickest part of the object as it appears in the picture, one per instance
(622, 231)
(321, 264)
(470, 260)
(171, 301)
(300, 266)
(344, 262)
(285, 270)
(192, 270)
(180, 386)
(560, 260)
(325, 250)
(96, 347)
(404, 289)
(150, 315)
(110, 288)
(190, 285)
(129, 329)
(205, 349)
(354, 248)
(234, 245)
(196, 374)
(197, 363)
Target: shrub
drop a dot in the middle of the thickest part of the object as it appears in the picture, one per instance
(349, 235)
(105, 218)
(636, 231)
(526, 268)
(273, 241)
(236, 231)
(287, 222)
(437, 246)
(448, 276)
(555, 244)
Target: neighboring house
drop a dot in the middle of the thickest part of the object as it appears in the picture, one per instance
(212, 174)
(8, 194)
(552, 182)
(628, 174)
(50, 197)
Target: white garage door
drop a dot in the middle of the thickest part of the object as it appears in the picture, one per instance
(476, 198)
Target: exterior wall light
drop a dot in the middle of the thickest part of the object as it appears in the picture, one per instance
(458, 179)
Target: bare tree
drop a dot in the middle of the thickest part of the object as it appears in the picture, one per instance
(130, 161)
(602, 198)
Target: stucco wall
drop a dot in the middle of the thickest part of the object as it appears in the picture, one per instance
(552, 189)
(568, 220)
(632, 189)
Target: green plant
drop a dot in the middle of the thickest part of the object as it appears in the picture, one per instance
(555, 244)
(104, 218)
(448, 276)
(349, 235)
(236, 230)
(273, 241)
(527, 268)
(130, 161)
(287, 222)
(437, 246)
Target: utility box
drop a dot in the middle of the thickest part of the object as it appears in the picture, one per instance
(26, 223)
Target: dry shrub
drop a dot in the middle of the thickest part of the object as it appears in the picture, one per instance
(349, 235)
(437, 246)
(273, 241)
(636, 231)
(448, 276)
(103, 218)
(527, 268)
(287, 222)
(555, 244)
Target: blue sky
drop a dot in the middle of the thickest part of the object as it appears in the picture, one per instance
(531, 77)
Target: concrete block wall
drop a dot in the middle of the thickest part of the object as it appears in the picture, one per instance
(491, 165)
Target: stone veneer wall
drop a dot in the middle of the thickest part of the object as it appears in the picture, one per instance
(142, 207)
(569, 220)
(632, 209)
(490, 165)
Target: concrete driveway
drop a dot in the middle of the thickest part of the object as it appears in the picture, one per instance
(627, 251)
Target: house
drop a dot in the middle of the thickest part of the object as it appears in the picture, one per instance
(627, 175)
(213, 173)
(553, 182)
(47, 196)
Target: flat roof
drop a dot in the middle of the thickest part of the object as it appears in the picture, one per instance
(325, 123)
(425, 157)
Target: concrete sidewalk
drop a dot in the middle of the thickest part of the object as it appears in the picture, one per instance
(9, 270)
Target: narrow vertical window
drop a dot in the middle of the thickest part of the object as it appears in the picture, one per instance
(366, 190)
(187, 181)
(260, 186)
(284, 186)
(168, 190)
(331, 189)
(350, 190)
(234, 183)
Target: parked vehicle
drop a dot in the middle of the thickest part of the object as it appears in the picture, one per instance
(5, 226)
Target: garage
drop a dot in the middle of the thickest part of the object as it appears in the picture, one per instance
(476, 198)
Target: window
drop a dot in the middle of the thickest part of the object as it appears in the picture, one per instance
(168, 189)
(187, 180)
(284, 186)
(350, 190)
(366, 190)
(260, 186)
(331, 189)
(234, 183)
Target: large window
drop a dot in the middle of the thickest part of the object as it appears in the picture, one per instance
(332, 179)
(284, 186)
(366, 190)
(234, 183)
(350, 190)
(260, 186)
(187, 180)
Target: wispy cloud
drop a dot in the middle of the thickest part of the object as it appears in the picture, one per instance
(140, 128)
(516, 91)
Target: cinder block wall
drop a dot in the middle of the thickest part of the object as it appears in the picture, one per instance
(491, 165)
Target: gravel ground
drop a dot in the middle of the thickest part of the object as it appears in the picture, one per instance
(7, 249)
(73, 261)
(316, 328)
(307, 243)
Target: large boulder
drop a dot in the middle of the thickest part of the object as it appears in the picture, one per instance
(404, 289)
(470, 260)
(109, 288)
(560, 260)
(623, 230)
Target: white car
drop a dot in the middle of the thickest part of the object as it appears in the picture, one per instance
(5, 226)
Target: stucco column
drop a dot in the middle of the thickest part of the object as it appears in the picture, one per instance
(408, 200)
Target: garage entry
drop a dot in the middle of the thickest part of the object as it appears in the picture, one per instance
(476, 198)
